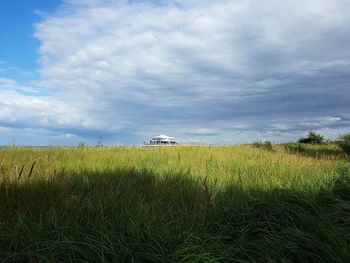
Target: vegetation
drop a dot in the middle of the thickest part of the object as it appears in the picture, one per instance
(173, 204)
(344, 143)
(312, 138)
(328, 151)
(266, 145)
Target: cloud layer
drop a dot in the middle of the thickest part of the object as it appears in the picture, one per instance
(212, 71)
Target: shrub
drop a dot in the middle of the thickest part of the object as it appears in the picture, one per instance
(312, 138)
(266, 145)
(344, 143)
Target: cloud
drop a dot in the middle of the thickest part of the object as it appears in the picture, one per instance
(24, 111)
(132, 69)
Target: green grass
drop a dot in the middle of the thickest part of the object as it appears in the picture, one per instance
(325, 151)
(181, 204)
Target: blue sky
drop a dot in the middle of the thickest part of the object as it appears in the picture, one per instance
(225, 71)
(18, 47)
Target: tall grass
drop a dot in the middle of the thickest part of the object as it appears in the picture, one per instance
(180, 204)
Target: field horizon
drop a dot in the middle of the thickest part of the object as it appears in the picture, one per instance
(253, 94)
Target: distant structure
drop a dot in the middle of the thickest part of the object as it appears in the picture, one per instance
(162, 140)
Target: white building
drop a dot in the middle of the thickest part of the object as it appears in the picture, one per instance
(162, 140)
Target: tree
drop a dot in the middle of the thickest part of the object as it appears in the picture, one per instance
(344, 142)
(313, 138)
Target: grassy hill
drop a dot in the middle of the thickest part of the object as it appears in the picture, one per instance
(178, 204)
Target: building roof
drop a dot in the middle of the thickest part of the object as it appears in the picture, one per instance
(163, 137)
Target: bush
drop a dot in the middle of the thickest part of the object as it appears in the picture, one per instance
(344, 143)
(312, 138)
(266, 145)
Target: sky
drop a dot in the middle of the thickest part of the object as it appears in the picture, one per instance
(223, 71)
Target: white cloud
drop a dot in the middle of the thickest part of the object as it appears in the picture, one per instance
(220, 66)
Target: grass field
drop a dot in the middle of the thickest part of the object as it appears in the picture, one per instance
(174, 204)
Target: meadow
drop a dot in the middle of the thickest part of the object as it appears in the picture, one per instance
(175, 204)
